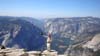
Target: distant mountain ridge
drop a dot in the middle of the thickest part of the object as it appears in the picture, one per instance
(18, 33)
(36, 22)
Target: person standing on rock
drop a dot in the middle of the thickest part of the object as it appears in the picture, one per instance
(49, 40)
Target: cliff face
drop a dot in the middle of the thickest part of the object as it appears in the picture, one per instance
(72, 31)
(17, 33)
(89, 48)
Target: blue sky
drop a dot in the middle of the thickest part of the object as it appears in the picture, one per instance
(50, 8)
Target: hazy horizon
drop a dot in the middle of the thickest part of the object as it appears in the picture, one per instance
(50, 8)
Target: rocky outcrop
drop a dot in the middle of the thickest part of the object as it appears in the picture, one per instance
(89, 48)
